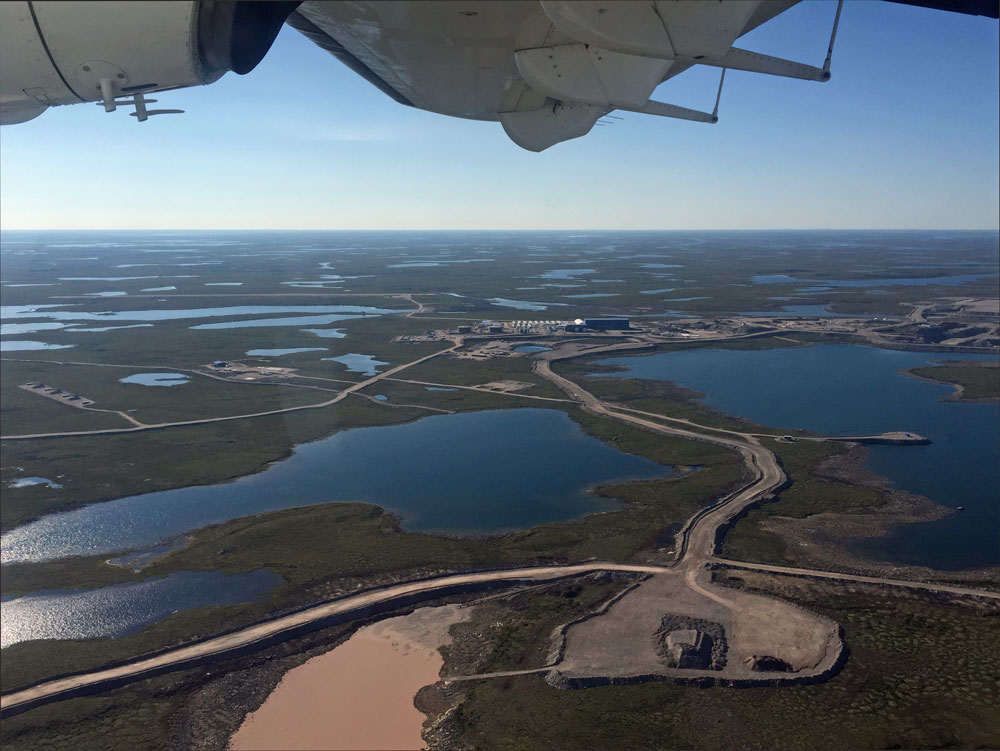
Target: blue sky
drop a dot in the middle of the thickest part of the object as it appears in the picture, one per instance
(905, 135)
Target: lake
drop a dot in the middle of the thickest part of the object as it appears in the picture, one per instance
(24, 345)
(122, 609)
(467, 474)
(847, 389)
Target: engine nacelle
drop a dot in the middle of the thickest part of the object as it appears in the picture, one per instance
(54, 53)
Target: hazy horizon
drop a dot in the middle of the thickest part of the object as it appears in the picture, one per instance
(993, 230)
(897, 139)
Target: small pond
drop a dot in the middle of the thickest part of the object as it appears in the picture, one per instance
(523, 304)
(355, 363)
(28, 482)
(280, 352)
(327, 333)
(565, 273)
(157, 379)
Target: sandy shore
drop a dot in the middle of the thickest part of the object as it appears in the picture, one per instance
(359, 695)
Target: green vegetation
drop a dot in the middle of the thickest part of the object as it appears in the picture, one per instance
(890, 694)
(920, 675)
(459, 400)
(198, 455)
(315, 547)
(974, 380)
(65, 573)
(133, 718)
(466, 372)
(810, 491)
(515, 632)
(29, 413)
(201, 397)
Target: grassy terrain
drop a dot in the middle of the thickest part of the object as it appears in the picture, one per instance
(513, 266)
(459, 400)
(809, 492)
(199, 398)
(29, 413)
(327, 549)
(134, 718)
(975, 380)
(520, 638)
(904, 686)
(476, 372)
(315, 547)
(133, 463)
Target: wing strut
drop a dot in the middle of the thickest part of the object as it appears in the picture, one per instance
(833, 38)
(662, 109)
(718, 96)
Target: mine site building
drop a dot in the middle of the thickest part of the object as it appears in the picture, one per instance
(607, 324)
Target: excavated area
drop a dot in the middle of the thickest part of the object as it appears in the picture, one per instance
(728, 636)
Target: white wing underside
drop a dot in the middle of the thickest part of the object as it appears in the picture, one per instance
(546, 70)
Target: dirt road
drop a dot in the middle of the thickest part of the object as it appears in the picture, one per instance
(258, 635)
(751, 623)
(341, 395)
(697, 539)
(837, 576)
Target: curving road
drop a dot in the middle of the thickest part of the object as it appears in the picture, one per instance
(695, 551)
(697, 539)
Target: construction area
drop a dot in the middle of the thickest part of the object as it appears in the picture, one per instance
(958, 325)
(65, 397)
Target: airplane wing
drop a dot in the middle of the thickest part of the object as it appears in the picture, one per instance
(547, 70)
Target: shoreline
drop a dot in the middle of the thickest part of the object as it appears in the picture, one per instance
(958, 395)
(824, 540)
(360, 694)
